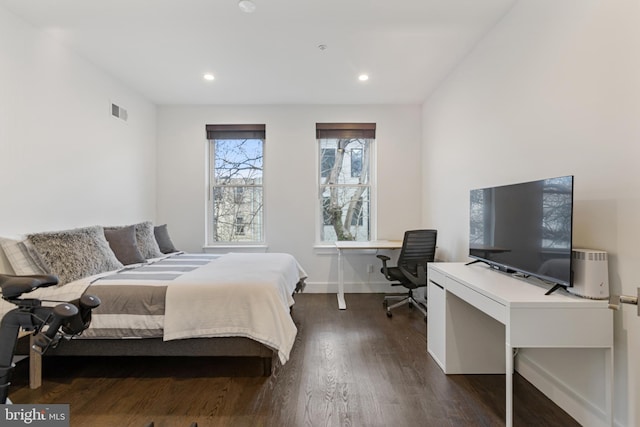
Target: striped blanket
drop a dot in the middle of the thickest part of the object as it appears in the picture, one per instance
(133, 298)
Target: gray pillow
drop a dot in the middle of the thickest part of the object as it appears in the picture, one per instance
(74, 254)
(124, 245)
(164, 241)
(145, 239)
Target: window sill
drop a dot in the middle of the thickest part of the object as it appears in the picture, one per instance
(223, 249)
(325, 249)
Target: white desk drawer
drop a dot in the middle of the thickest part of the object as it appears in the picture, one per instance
(481, 302)
(436, 276)
(561, 327)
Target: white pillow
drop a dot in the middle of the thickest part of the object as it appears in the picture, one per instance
(23, 260)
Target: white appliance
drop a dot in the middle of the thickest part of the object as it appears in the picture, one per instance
(590, 274)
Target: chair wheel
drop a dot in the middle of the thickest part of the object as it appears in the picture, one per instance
(389, 314)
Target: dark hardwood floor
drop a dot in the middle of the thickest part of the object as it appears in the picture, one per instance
(348, 368)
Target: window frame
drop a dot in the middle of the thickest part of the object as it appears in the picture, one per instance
(211, 191)
(372, 184)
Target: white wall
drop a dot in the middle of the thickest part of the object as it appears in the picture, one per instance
(553, 90)
(290, 179)
(64, 161)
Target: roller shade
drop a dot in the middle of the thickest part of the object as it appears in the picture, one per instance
(345, 130)
(235, 132)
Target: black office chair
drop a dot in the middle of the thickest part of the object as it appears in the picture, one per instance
(418, 249)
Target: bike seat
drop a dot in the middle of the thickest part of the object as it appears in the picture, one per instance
(14, 286)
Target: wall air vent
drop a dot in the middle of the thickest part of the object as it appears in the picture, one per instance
(119, 112)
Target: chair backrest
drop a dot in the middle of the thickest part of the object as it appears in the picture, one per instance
(418, 248)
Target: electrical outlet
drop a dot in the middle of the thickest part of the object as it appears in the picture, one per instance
(370, 268)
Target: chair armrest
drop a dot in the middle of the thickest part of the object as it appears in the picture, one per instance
(420, 279)
(384, 259)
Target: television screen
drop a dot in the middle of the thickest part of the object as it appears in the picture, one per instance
(525, 228)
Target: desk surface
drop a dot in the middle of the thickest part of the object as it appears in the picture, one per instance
(511, 291)
(374, 244)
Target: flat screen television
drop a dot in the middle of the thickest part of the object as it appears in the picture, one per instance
(525, 228)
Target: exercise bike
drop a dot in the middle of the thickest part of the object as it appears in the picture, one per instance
(49, 323)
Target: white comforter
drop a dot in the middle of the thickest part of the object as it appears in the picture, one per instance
(236, 295)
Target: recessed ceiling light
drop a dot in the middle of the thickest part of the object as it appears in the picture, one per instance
(208, 77)
(363, 77)
(247, 6)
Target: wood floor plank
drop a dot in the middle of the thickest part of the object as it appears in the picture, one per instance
(353, 367)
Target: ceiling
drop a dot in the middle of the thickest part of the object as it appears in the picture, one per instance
(162, 48)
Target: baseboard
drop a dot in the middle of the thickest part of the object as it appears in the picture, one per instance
(353, 288)
(582, 410)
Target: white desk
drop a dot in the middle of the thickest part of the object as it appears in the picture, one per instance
(349, 245)
(478, 316)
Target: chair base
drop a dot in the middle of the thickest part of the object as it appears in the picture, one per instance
(402, 300)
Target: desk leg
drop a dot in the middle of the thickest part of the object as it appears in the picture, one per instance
(509, 384)
(342, 304)
(608, 359)
(35, 366)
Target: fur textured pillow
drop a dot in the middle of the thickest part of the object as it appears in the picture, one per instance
(74, 254)
(145, 239)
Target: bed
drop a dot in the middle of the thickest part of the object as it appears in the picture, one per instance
(183, 304)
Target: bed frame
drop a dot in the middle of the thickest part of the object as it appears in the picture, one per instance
(253, 351)
(242, 347)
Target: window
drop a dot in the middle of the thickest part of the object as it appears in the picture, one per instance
(235, 196)
(356, 162)
(327, 160)
(238, 194)
(344, 180)
(240, 226)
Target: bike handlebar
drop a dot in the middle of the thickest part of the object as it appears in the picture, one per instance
(61, 314)
(70, 318)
